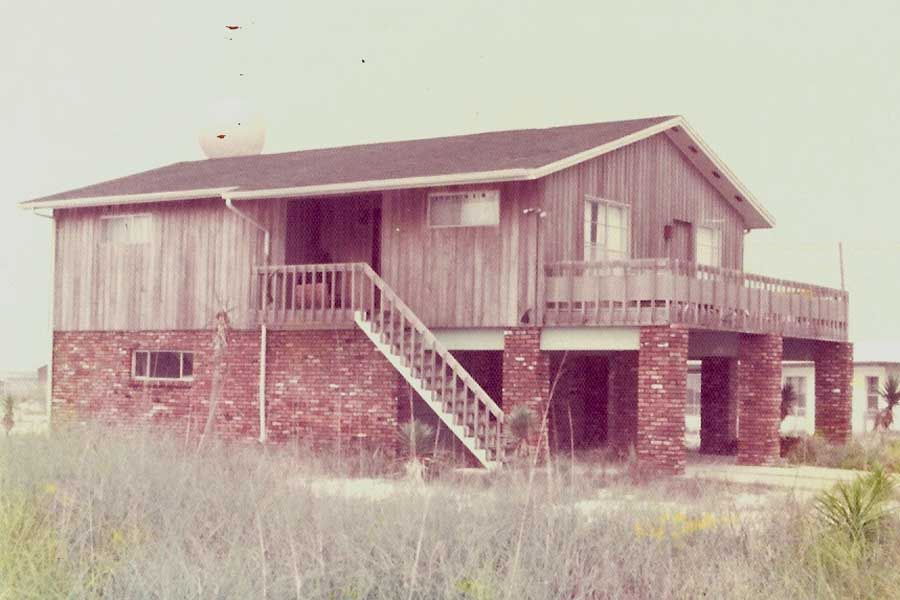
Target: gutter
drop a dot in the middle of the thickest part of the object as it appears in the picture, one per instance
(263, 332)
(229, 204)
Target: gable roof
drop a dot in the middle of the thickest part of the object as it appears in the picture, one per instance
(516, 155)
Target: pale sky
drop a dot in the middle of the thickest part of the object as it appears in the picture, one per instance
(800, 99)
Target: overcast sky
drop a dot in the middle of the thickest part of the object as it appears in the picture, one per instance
(800, 99)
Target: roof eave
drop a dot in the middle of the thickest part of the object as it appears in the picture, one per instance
(125, 199)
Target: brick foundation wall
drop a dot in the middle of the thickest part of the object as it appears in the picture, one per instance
(661, 397)
(324, 388)
(92, 382)
(759, 399)
(715, 400)
(834, 374)
(526, 376)
(330, 389)
(621, 415)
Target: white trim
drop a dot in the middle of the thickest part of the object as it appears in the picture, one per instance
(575, 159)
(126, 199)
(766, 219)
(590, 338)
(263, 433)
(470, 339)
(376, 185)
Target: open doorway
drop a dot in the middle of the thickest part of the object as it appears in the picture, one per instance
(339, 229)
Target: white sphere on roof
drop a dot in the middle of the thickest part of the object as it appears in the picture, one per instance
(232, 128)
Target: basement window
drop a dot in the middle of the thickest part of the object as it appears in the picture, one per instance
(162, 365)
(125, 229)
(476, 208)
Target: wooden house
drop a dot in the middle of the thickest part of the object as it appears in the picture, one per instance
(469, 270)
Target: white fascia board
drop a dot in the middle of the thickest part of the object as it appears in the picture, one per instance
(590, 338)
(377, 185)
(127, 199)
(766, 218)
(575, 159)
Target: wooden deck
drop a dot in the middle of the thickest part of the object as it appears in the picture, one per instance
(615, 293)
(649, 291)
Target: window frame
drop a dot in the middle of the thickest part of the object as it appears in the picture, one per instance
(870, 394)
(131, 217)
(494, 194)
(150, 378)
(591, 200)
(716, 230)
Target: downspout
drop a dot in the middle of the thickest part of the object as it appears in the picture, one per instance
(263, 332)
(48, 392)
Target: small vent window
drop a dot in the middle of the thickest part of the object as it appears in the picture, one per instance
(125, 229)
(163, 365)
(478, 208)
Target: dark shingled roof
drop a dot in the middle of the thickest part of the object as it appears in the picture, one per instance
(493, 151)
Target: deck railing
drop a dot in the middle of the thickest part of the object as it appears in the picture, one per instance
(646, 291)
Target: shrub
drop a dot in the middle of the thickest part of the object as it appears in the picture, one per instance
(855, 513)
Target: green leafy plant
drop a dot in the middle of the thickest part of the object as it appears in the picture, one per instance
(890, 391)
(788, 399)
(854, 513)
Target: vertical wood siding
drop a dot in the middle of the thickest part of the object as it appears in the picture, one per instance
(453, 276)
(199, 257)
(659, 184)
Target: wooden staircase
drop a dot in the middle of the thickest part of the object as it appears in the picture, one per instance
(301, 295)
(429, 368)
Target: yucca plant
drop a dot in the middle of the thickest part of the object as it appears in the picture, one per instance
(854, 513)
(788, 399)
(890, 391)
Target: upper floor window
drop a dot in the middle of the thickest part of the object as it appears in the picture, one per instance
(709, 246)
(607, 229)
(476, 208)
(873, 393)
(798, 384)
(163, 365)
(125, 229)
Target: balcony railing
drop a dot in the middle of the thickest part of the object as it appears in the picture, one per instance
(647, 291)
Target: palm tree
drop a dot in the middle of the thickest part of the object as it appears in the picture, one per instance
(788, 399)
(890, 391)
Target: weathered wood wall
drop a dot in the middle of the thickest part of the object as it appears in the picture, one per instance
(660, 185)
(454, 276)
(199, 256)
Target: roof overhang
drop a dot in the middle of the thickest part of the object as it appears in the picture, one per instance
(676, 129)
(127, 199)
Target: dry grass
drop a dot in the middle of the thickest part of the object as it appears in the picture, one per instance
(100, 514)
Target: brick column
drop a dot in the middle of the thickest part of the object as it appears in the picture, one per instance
(759, 399)
(661, 396)
(526, 375)
(834, 373)
(715, 405)
(621, 404)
